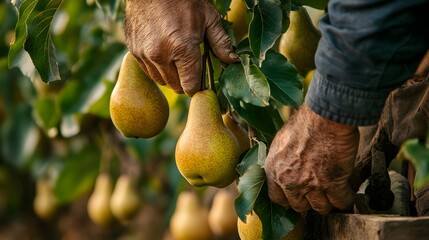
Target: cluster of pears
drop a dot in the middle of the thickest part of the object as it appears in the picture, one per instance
(105, 203)
(138, 108)
(252, 228)
(192, 220)
(45, 203)
(299, 43)
(207, 151)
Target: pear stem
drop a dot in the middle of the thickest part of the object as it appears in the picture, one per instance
(208, 65)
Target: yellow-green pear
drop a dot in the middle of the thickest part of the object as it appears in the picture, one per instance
(99, 202)
(222, 215)
(138, 107)
(237, 15)
(299, 43)
(252, 228)
(207, 153)
(125, 201)
(45, 203)
(239, 132)
(190, 219)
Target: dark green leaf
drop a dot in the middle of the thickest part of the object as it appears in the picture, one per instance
(46, 113)
(222, 6)
(21, 31)
(256, 155)
(418, 155)
(250, 185)
(78, 174)
(250, 3)
(257, 82)
(277, 221)
(258, 117)
(236, 84)
(39, 44)
(318, 4)
(285, 82)
(265, 27)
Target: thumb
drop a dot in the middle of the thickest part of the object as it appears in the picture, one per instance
(217, 37)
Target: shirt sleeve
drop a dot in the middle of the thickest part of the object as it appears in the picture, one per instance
(368, 48)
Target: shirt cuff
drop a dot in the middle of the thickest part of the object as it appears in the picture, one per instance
(343, 104)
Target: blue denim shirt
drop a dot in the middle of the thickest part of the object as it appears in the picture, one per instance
(368, 48)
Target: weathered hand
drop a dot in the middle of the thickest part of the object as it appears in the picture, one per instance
(164, 36)
(309, 163)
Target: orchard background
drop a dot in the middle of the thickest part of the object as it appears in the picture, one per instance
(59, 61)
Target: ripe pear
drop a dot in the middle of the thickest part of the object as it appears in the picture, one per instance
(45, 203)
(237, 15)
(138, 107)
(222, 215)
(252, 229)
(207, 153)
(299, 43)
(99, 202)
(190, 219)
(238, 131)
(125, 201)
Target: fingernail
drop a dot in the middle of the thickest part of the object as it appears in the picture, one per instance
(233, 55)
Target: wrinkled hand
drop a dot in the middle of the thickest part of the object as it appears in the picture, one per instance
(309, 163)
(164, 36)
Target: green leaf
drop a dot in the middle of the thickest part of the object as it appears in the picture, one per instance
(318, 4)
(285, 82)
(257, 82)
(258, 117)
(250, 185)
(39, 44)
(101, 106)
(78, 174)
(46, 113)
(256, 155)
(418, 155)
(250, 3)
(277, 221)
(222, 6)
(265, 27)
(21, 31)
(237, 85)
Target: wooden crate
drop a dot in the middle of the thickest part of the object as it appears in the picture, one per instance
(375, 227)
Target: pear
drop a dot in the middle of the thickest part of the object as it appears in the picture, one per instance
(45, 203)
(237, 15)
(125, 201)
(222, 215)
(238, 131)
(252, 228)
(138, 107)
(207, 153)
(99, 202)
(190, 219)
(299, 43)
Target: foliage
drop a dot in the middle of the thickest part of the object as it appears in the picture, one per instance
(55, 87)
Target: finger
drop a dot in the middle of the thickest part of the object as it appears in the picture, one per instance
(151, 70)
(276, 194)
(340, 197)
(298, 202)
(319, 202)
(189, 70)
(218, 39)
(170, 76)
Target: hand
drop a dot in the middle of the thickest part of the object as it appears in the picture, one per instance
(164, 36)
(309, 163)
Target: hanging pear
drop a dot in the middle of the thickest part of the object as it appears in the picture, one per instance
(138, 107)
(190, 219)
(238, 131)
(222, 215)
(207, 153)
(299, 43)
(125, 201)
(45, 203)
(99, 202)
(237, 15)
